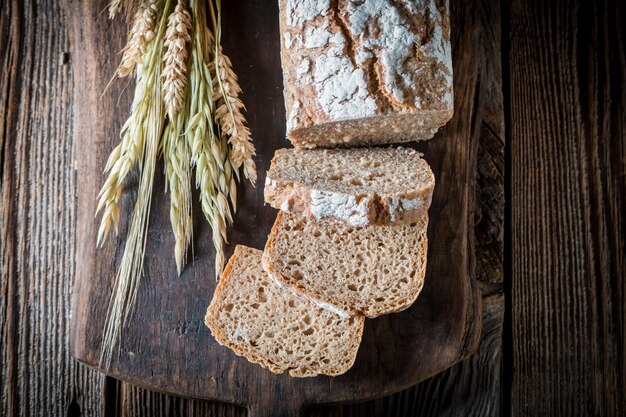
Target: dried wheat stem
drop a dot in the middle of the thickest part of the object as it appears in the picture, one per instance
(209, 152)
(140, 35)
(122, 159)
(128, 277)
(177, 156)
(145, 127)
(175, 59)
(127, 7)
(229, 107)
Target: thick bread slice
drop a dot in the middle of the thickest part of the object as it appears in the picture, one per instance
(365, 72)
(361, 186)
(276, 329)
(369, 270)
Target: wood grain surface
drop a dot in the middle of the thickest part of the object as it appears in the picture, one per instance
(568, 183)
(37, 240)
(165, 346)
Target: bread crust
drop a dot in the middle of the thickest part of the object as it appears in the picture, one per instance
(367, 72)
(314, 194)
(380, 210)
(370, 131)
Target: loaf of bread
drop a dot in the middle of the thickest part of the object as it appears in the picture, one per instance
(273, 327)
(365, 72)
(362, 186)
(352, 270)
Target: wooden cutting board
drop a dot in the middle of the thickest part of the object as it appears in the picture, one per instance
(165, 345)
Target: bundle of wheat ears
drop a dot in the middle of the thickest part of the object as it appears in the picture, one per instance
(186, 109)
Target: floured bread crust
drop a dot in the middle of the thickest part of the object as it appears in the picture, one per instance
(357, 211)
(357, 186)
(379, 69)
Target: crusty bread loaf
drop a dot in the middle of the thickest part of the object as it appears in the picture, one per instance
(361, 186)
(365, 72)
(369, 270)
(278, 330)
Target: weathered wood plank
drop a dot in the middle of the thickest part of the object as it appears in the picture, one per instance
(37, 375)
(568, 152)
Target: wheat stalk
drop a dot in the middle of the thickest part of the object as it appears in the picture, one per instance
(229, 107)
(128, 7)
(204, 129)
(126, 155)
(115, 6)
(209, 152)
(175, 59)
(139, 36)
(177, 156)
(122, 159)
(146, 121)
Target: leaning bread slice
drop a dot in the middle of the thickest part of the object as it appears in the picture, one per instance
(369, 270)
(361, 186)
(273, 327)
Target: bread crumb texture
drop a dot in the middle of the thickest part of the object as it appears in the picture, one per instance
(370, 270)
(270, 326)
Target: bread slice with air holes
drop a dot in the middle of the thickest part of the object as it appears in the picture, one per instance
(370, 271)
(360, 186)
(273, 327)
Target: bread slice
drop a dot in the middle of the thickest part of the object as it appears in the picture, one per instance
(361, 186)
(369, 271)
(276, 329)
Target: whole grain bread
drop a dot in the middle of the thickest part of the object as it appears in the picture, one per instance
(361, 186)
(365, 72)
(370, 270)
(278, 330)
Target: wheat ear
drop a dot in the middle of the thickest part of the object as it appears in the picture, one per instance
(115, 6)
(177, 156)
(122, 159)
(209, 152)
(175, 59)
(139, 36)
(128, 7)
(229, 107)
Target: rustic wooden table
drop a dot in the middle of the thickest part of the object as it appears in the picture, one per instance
(550, 93)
